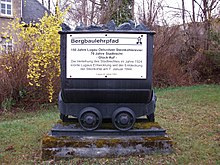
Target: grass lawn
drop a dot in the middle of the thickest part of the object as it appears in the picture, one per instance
(191, 116)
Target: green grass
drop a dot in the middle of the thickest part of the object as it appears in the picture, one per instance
(191, 116)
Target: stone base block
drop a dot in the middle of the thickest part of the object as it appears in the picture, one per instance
(67, 140)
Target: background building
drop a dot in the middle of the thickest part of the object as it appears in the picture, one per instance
(26, 10)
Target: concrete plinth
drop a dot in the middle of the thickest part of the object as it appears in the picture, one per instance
(67, 140)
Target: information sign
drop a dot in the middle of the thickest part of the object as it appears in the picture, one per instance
(106, 55)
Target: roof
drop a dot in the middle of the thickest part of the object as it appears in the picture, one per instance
(32, 11)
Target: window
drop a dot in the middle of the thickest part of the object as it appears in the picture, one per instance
(6, 7)
(5, 44)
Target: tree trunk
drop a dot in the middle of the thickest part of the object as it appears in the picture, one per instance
(150, 13)
(193, 11)
(206, 24)
(92, 13)
(133, 9)
(84, 12)
(183, 15)
(48, 4)
(144, 14)
(56, 7)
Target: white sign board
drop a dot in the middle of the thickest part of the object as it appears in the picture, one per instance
(106, 55)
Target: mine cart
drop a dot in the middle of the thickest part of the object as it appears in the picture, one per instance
(106, 75)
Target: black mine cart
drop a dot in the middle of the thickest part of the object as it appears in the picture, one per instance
(106, 75)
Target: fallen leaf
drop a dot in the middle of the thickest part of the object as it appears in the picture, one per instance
(10, 148)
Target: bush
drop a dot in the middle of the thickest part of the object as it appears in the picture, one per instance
(167, 69)
(13, 73)
(7, 104)
(30, 73)
(32, 70)
(181, 59)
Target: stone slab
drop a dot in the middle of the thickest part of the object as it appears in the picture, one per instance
(64, 142)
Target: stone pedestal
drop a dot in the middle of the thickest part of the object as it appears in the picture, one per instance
(68, 140)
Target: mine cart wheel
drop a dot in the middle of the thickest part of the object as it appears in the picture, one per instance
(63, 117)
(151, 117)
(90, 118)
(123, 118)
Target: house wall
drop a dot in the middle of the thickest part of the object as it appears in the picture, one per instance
(16, 9)
(4, 20)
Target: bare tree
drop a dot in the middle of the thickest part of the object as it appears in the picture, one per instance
(149, 11)
(96, 11)
(81, 11)
(207, 7)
